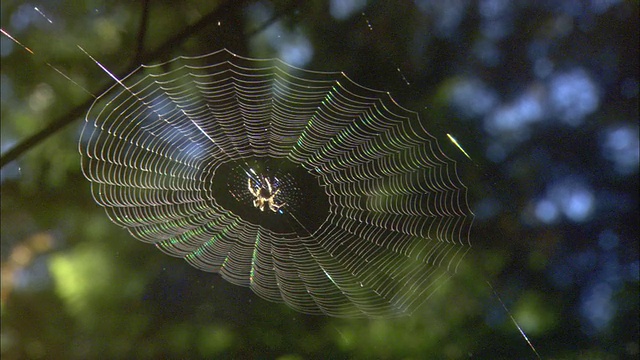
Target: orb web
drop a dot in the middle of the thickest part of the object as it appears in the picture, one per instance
(374, 219)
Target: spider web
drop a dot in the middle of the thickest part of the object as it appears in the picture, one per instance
(376, 216)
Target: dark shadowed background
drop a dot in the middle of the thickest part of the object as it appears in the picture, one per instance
(543, 96)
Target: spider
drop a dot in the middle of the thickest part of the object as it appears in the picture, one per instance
(264, 196)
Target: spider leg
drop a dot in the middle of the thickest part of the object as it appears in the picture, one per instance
(275, 207)
(268, 185)
(252, 190)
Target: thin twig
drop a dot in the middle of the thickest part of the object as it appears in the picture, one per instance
(142, 32)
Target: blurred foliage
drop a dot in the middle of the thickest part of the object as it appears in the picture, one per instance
(76, 286)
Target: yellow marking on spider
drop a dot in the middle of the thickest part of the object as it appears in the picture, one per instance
(455, 142)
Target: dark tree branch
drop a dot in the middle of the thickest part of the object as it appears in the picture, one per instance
(163, 49)
(142, 32)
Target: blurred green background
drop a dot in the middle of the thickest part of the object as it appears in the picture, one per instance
(542, 95)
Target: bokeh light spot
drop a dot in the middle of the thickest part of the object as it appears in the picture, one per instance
(573, 95)
(343, 9)
(622, 147)
(546, 211)
(597, 306)
(472, 97)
